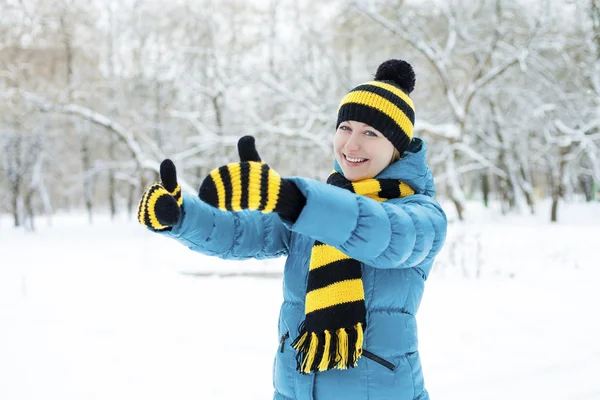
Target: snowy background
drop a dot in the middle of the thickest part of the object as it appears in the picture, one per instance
(111, 311)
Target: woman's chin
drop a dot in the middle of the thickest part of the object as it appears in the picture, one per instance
(352, 175)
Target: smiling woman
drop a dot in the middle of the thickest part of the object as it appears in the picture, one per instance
(359, 247)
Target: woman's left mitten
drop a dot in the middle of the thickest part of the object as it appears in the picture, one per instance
(160, 206)
(253, 185)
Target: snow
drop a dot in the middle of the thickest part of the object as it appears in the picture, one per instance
(111, 311)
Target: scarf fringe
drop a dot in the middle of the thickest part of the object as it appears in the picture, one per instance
(323, 350)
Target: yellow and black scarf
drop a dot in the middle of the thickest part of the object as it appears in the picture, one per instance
(331, 336)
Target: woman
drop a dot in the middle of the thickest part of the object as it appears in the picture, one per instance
(359, 248)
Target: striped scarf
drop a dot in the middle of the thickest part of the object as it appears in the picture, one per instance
(331, 335)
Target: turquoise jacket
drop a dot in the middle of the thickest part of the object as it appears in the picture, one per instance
(396, 242)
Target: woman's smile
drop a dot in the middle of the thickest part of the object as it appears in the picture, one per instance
(354, 161)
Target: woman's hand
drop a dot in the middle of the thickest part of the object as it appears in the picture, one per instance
(253, 185)
(160, 206)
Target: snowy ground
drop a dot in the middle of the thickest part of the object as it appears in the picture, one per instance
(111, 312)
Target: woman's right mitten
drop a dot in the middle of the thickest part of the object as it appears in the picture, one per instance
(160, 206)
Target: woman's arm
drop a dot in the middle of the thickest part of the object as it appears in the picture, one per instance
(229, 235)
(398, 233)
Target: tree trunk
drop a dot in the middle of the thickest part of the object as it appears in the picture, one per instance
(132, 200)
(456, 192)
(558, 188)
(87, 179)
(586, 184)
(217, 108)
(507, 189)
(15, 175)
(112, 187)
(526, 182)
(29, 214)
(143, 182)
(504, 184)
(554, 211)
(157, 119)
(485, 189)
(518, 196)
(15, 208)
(113, 140)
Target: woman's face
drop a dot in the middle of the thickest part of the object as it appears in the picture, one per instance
(361, 150)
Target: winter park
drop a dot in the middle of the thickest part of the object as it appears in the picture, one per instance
(299, 200)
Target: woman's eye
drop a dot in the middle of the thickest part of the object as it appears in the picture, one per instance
(344, 128)
(370, 133)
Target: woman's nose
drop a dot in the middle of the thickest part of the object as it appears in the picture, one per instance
(353, 143)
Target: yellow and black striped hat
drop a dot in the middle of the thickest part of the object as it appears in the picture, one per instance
(384, 103)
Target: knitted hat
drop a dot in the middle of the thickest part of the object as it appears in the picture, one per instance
(384, 103)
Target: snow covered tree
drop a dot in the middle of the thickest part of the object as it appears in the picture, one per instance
(95, 95)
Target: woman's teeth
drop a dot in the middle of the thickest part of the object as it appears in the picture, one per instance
(355, 160)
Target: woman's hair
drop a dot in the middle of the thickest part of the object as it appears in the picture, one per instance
(395, 156)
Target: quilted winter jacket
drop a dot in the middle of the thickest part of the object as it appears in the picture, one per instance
(396, 242)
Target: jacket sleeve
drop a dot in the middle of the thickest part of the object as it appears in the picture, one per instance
(399, 233)
(229, 235)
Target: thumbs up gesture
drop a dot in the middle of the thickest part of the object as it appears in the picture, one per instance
(160, 206)
(251, 184)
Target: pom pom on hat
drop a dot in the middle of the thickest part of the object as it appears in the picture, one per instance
(398, 71)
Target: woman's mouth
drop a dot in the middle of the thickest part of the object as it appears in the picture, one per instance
(354, 160)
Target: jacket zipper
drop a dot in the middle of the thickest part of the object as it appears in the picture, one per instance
(378, 360)
(282, 341)
(366, 353)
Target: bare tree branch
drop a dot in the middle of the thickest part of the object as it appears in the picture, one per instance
(99, 119)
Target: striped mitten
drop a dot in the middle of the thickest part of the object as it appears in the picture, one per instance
(160, 206)
(251, 184)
